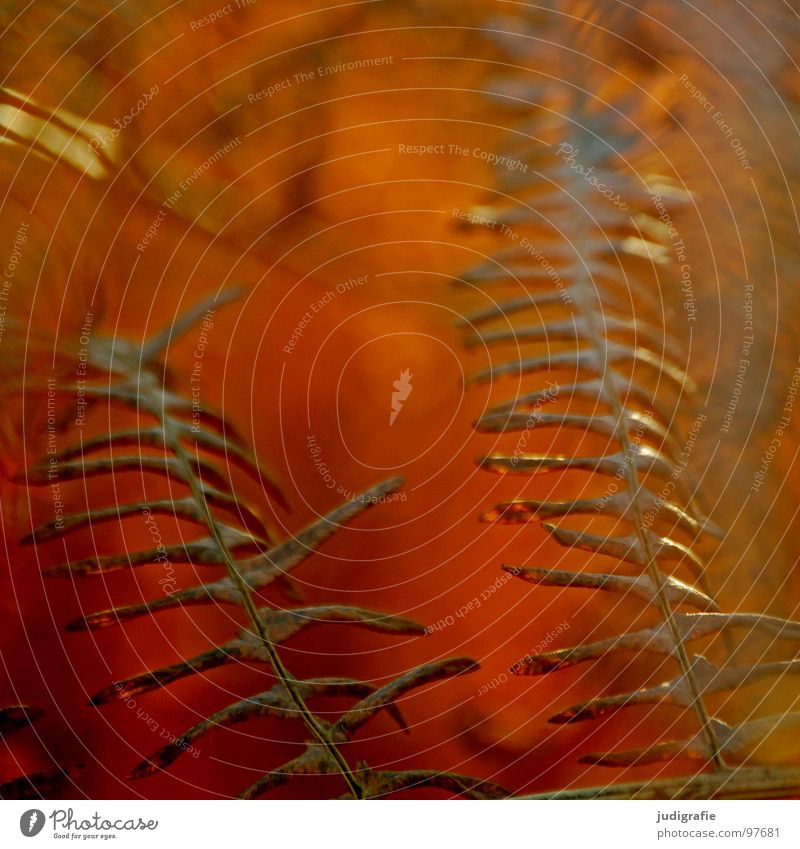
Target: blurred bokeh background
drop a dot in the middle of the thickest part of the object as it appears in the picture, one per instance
(315, 154)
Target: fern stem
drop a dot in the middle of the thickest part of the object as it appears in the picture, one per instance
(610, 390)
(743, 782)
(314, 725)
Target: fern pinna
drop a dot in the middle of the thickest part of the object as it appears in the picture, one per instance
(168, 439)
(591, 245)
(34, 785)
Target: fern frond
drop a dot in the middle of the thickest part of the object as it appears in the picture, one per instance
(590, 247)
(174, 445)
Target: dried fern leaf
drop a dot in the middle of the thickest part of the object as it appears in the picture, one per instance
(198, 457)
(596, 255)
(315, 761)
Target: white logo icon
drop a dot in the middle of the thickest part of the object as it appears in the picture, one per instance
(403, 389)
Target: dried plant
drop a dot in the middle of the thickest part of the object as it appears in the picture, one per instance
(589, 221)
(167, 440)
(584, 207)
